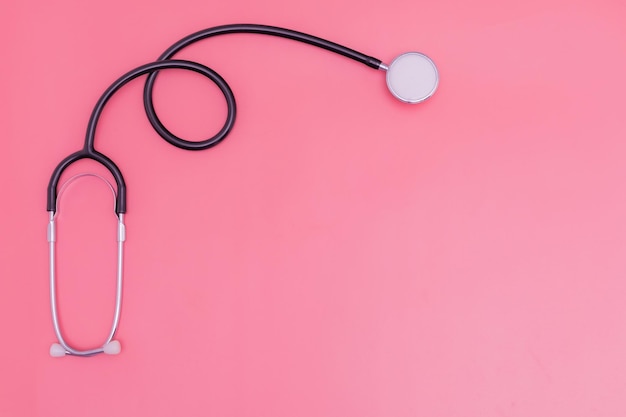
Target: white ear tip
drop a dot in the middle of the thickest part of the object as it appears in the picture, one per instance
(112, 348)
(57, 351)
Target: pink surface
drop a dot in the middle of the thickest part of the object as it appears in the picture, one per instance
(341, 253)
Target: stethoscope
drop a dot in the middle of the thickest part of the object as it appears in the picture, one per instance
(411, 78)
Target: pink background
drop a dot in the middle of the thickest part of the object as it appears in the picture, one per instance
(341, 253)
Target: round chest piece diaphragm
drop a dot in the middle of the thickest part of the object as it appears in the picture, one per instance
(412, 77)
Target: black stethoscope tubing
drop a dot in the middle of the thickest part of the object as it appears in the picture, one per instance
(165, 62)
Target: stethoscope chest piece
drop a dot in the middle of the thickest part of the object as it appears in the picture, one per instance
(412, 77)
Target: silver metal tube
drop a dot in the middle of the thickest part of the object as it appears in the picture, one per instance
(121, 237)
(53, 297)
